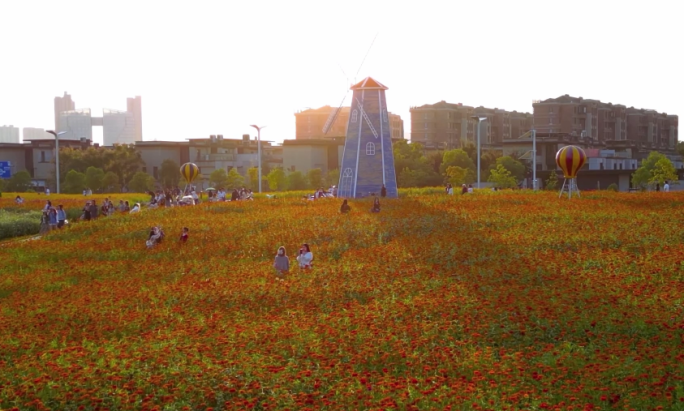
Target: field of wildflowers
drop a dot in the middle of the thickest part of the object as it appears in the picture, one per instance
(497, 301)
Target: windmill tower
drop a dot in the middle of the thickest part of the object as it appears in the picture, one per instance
(367, 162)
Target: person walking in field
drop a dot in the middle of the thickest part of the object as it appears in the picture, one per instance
(305, 257)
(376, 206)
(184, 235)
(44, 223)
(52, 218)
(281, 263)
(666, 187)
(61, 216)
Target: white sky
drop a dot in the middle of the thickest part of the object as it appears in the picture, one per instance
(215, 67)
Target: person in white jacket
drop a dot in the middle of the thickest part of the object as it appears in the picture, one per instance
(666, 186)
(135, 209)
(305, 257)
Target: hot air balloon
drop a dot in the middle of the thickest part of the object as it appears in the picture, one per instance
(189, 171)
(570, 159)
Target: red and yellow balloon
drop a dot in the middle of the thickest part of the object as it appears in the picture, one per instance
(570, 159)
(189, 171)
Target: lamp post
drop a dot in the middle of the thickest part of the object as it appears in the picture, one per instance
(259, 150)
(534, 160)
(54, 133)
(479, 121)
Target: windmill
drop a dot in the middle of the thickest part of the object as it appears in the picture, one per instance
(334, 114)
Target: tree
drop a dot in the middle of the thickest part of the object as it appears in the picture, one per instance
(276, 179)
(333, 177)
(234, 179)
(19, 182)
(94, 178)
(141, 182)
(680, 148)
(315, 178)
(502, 177)
(458, 158)
(654, 168)
(122, 159)
(253, 177)
(74, 182)
(515, 167)
(456, 175)
(110, 182)
(219, 178)
(169, 174)
(663, 171)
(552, 181)
(296, 181)
(416, 169)
(3, 185)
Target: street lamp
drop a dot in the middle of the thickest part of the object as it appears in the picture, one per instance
(56, 153)
(259, 150)
(534, 159)
(479, 120)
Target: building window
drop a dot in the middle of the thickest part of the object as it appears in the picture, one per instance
(370, 149)
(355, 116)
(42, 156)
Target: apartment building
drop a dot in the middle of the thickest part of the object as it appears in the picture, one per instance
(451, 125)
(310, 123)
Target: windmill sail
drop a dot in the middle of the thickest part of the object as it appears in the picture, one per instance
(331, 119)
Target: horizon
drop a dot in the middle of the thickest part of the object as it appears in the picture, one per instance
(213, 69)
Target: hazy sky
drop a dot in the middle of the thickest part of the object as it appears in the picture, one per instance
(215, 67)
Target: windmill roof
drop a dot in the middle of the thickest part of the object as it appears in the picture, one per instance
(368, 84)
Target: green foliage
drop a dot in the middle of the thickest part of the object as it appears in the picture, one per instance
(19, 182)
(456, 157)
(515, 167)
(3, 184)
(552, 181)
(110, 182)
(680, 148)
(315, 178)
(141, 182)
(234, 179)
(456, 175)
(656, 168)
(332, 178)
(253, 177)
(277, 179)
(18, 224)
(416, 169)
(612, 187)
(169, 174)
(417, 178)
(94, 178)
(502, 177)
(296, 181)
(219, 178)
(122, 159)
(74, 182)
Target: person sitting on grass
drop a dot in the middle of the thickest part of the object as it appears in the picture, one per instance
(376, 206)
(344, 209)
(135, 209)
(184, 235)
(155, 237)
(19, 200)
(281, 263)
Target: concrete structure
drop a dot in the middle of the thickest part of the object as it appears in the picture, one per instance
(9, 134)
(17, 154)
(310, 123)
(305, 155)
(607, 123)
(119, 127)
(447, 125)
(31, 133)
(368, 161)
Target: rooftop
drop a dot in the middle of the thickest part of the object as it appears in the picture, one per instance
(368, 83)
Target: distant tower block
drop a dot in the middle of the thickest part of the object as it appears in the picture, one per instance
(368, 162)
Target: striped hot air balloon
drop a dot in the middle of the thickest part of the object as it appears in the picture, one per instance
(189, 171)
(570, 159)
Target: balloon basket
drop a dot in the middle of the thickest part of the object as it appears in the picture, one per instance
(570, 187)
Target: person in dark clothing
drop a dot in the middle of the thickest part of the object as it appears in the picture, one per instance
(657, 186)
(234, 195)
(383, 191)
(86, 212)
(376, 206)
(93, 210)
(344, 209)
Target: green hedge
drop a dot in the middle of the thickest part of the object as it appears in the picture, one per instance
(19, 224)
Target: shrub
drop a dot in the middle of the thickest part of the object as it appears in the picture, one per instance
(19, 224)
(612, 187)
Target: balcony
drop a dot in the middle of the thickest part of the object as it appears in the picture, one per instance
(214, 157)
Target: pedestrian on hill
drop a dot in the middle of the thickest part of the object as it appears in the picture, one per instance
(281, 263)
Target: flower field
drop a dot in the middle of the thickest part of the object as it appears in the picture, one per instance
(496, 301)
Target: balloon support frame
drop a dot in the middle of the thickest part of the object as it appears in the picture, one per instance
(569, 186)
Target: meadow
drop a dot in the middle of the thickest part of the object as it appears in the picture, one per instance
(491, 301)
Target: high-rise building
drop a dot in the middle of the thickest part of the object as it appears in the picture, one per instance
(450, 125)
(311, 123)
(119, 127)
(31, 133)
(9, 134)
(62, 104)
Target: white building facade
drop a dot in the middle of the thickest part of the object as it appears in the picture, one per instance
(9, 134)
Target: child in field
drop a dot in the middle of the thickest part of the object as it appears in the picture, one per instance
(305, 257)
(184, 235)
(156, 236)
(281, 263)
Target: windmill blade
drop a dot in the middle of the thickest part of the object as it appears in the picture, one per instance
(333, 116)
(364, 57)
